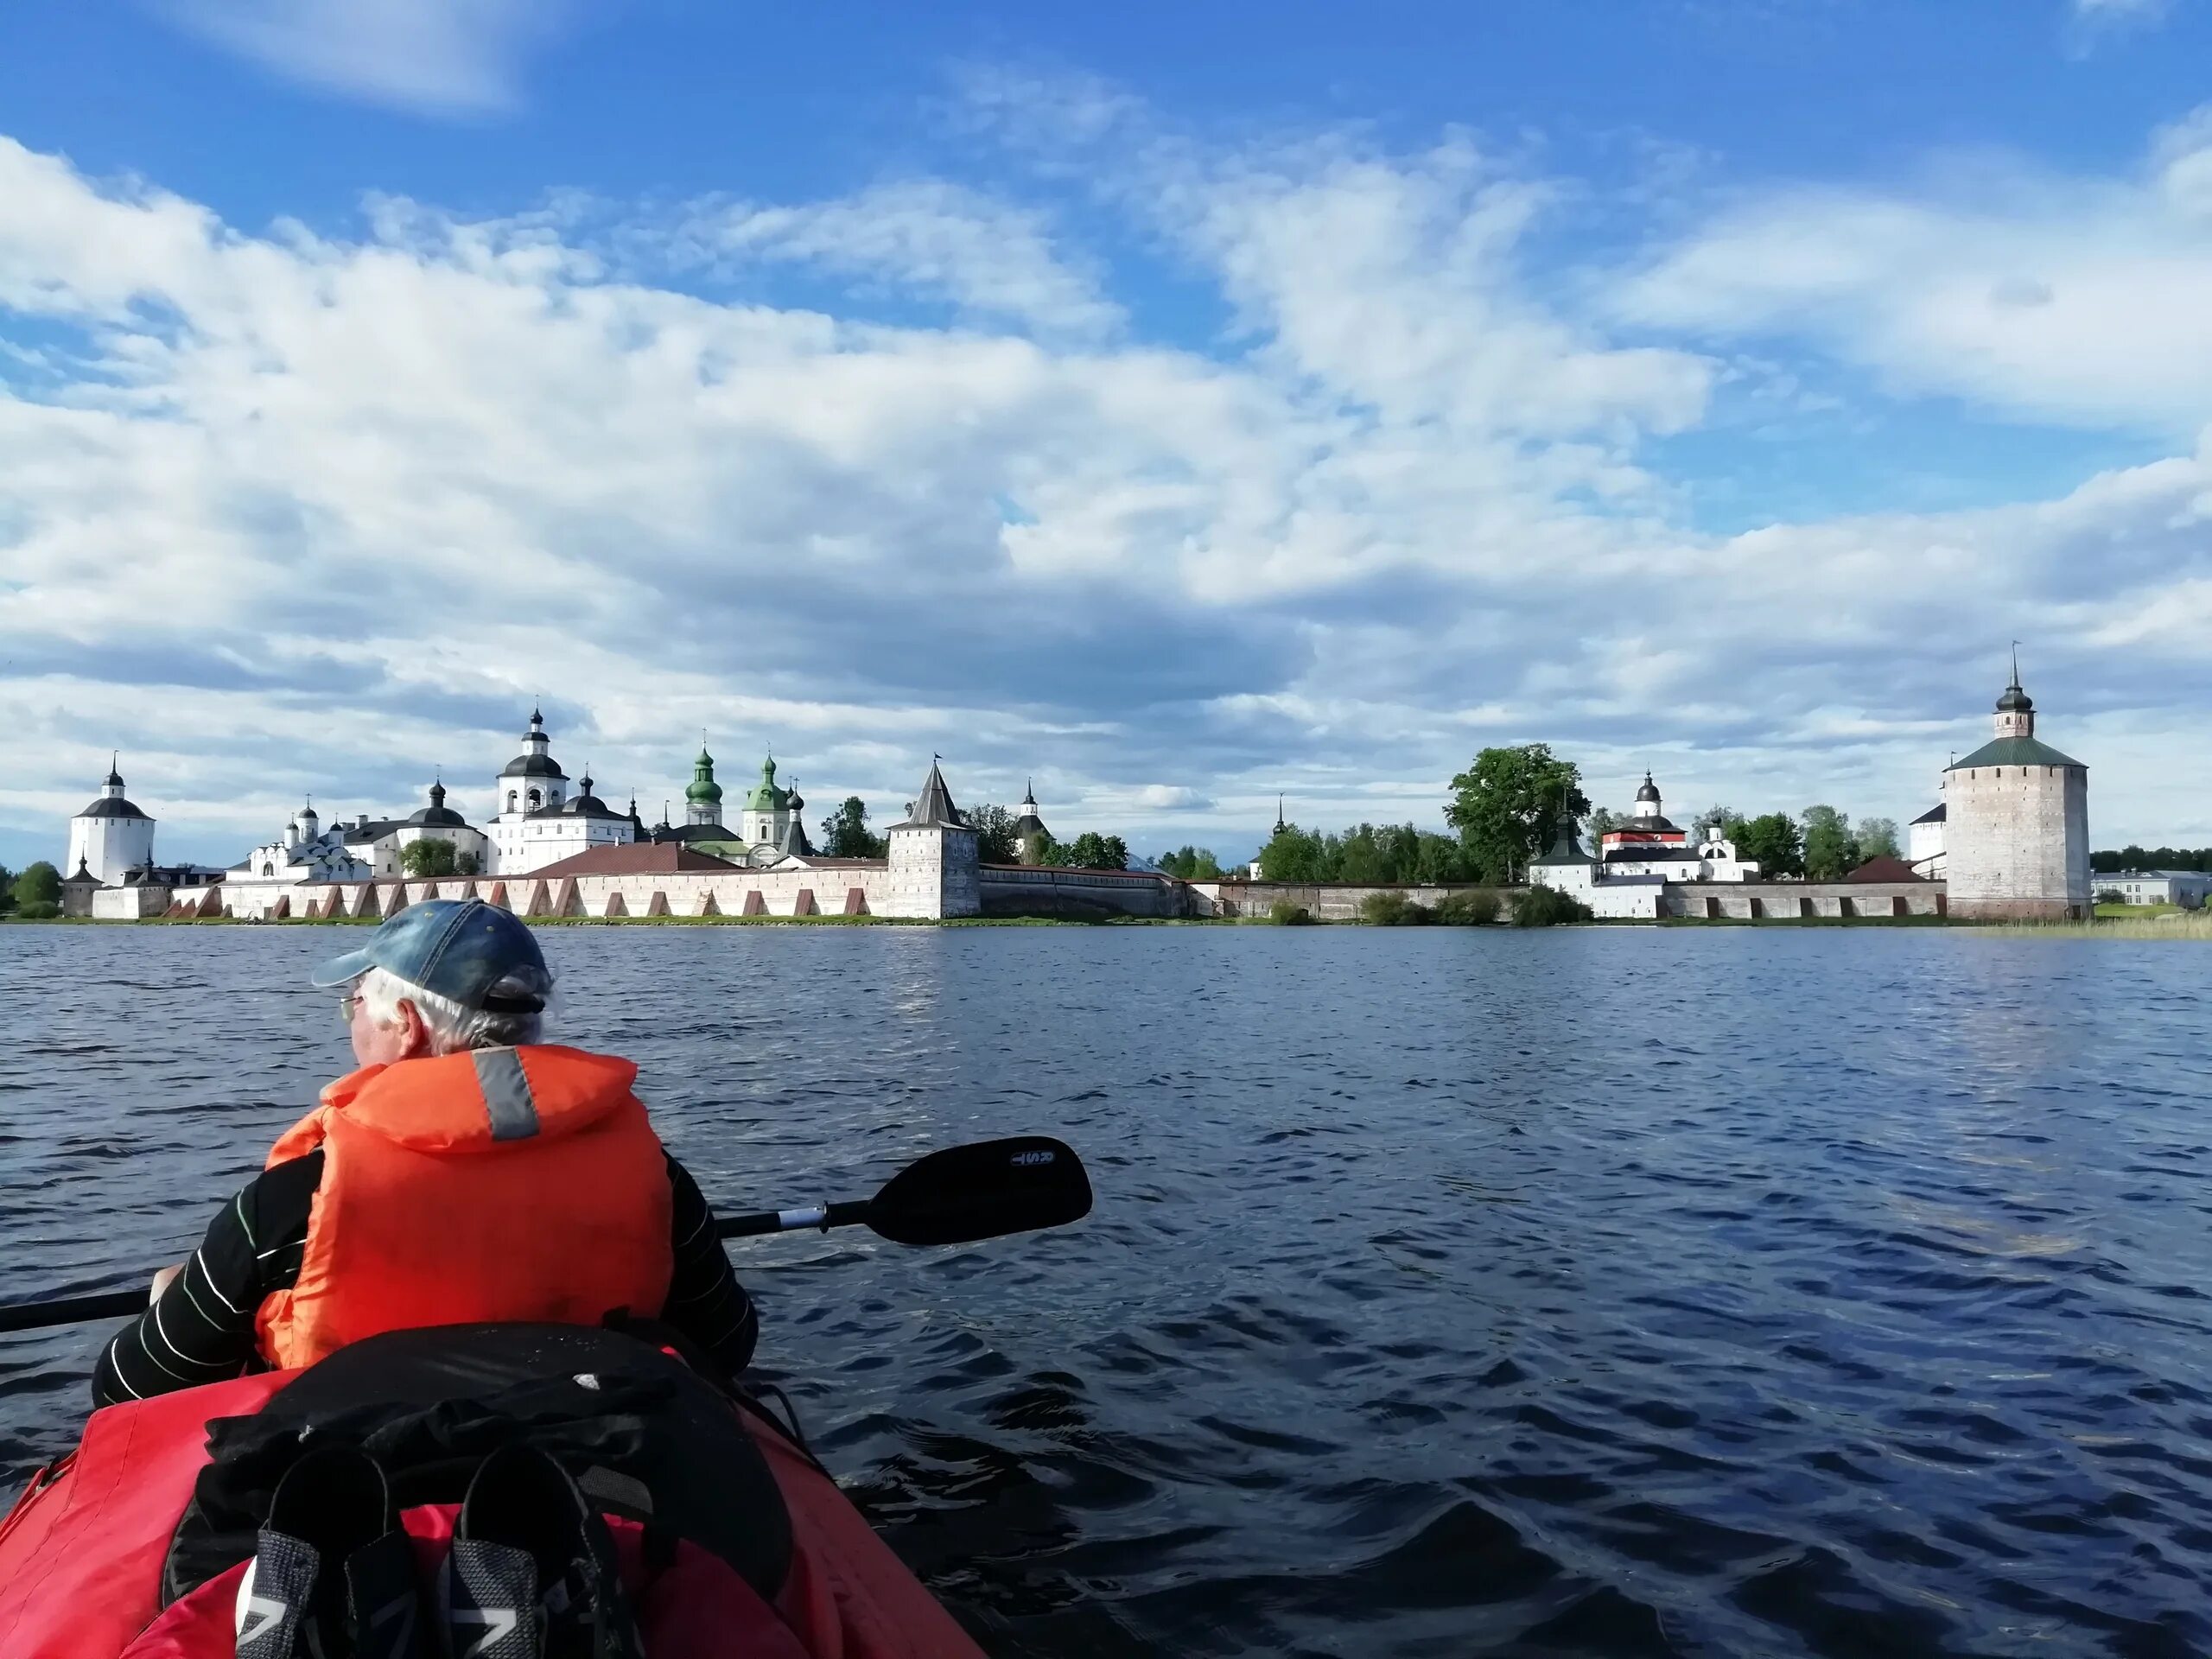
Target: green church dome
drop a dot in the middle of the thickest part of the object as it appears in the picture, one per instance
(765, 797)
(703, 791)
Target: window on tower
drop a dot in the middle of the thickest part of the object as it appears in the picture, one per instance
(536, 799)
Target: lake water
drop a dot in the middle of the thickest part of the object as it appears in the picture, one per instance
(1601, 1292)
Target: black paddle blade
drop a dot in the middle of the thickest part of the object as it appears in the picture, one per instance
(991, 1188)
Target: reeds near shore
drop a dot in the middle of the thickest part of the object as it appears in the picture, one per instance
(2180, 924)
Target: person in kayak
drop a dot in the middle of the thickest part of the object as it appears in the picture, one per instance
(466, 1172)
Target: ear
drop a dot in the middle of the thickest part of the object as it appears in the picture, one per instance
(417, 1030)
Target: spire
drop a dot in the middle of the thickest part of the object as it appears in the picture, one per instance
(1279, 825)
(2015, 701)
(1029, 793)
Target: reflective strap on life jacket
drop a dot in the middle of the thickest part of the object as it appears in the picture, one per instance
(507, 1099)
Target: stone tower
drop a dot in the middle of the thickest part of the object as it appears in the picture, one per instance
(110, 836)
(934, 868)
(2016, 824)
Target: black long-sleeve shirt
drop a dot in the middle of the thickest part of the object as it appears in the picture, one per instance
(201, 1330)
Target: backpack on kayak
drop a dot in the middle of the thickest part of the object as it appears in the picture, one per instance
(724, 1535)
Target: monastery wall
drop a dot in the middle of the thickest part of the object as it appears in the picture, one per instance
(1327, 901)
(1032, 889)
(129, 904)
(1774, 901)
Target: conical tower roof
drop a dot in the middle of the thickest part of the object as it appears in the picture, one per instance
(933, 808)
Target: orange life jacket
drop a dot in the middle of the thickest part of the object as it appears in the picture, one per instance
(494, 1183)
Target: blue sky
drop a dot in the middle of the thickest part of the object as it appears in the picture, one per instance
(1178, 405)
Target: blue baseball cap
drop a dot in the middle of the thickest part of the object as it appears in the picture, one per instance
(475, 953)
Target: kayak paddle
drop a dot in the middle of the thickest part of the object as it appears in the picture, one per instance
(952, 1197)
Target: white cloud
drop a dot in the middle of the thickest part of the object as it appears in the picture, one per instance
(2119, 11)
(2051, 298)
(449, 56)
(302, 509)
(928, 236)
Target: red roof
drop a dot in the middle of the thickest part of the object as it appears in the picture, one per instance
(631, 858)
(1887, 867)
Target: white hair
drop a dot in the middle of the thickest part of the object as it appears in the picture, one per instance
(452, 1027)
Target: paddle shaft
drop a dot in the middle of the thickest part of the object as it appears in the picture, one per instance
(122, 1304)
(953, 1196)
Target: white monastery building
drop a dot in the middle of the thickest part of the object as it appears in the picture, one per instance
(1648, 844)
(2016, 824)
(1924, 842)
(539, 822)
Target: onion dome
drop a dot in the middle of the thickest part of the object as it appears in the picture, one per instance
(1649, 792)
(792, 799)
(535, 761)
(765, 796)
(703, 789)
(437, 815)
(2015, 701)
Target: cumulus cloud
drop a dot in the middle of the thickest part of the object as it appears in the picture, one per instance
(328, 507)
(446, 56)
(2079, 300)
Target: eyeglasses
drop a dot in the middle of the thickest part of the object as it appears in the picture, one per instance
(346, 1004)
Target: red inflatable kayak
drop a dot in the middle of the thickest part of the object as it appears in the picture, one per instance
(117, 1551)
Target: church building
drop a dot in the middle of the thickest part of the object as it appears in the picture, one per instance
(539, 821)
(1648, 844)
(769, 828)
(2016, 824)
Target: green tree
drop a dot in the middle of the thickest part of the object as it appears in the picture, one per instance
(995, 842)
(1730, 820)
(1543, 906)
(465, 864)
(432, 856)
(845, 832)
(1830, 852)
(1877, 838)
(1772, 841)
(1506, 805)
(1295, 854)
(7, 889)
(39, 884)
(1439, 860)
(1601, 819)
(1092, 851)
(1192, 864)
(1390, 908)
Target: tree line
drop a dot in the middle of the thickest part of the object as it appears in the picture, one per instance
(845, 833)
(2132, 857)
(1505, 810)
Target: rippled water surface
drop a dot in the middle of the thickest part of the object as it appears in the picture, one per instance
(1607, 1291)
